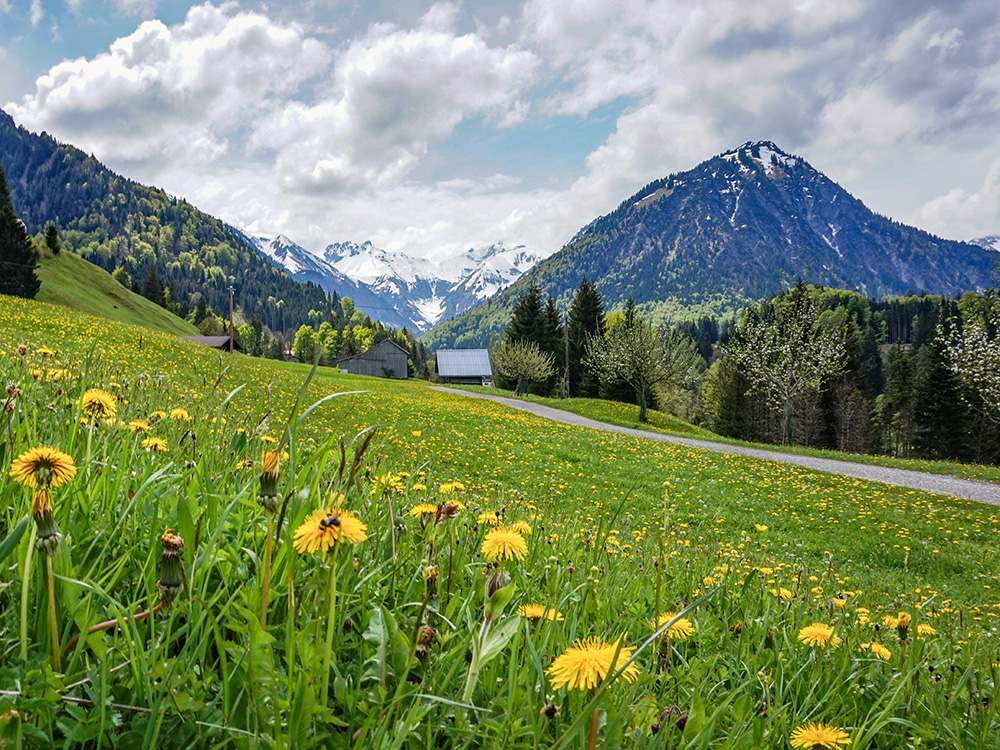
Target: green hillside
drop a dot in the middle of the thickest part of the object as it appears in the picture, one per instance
(71, 281)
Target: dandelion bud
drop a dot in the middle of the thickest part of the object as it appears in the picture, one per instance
(497, 581)
(682, 722)
(171, 567)
(268, 496)
(22, 349)
(430, 580)
(47, 538)
(769, 639)
(655, 729)
(903, 625)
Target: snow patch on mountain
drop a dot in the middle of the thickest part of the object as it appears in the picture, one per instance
(990, 243)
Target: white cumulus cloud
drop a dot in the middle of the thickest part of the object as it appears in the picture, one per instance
(171, 93)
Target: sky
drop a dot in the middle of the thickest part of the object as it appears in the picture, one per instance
(430, 128)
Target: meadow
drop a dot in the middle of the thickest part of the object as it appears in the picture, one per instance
(252, 554)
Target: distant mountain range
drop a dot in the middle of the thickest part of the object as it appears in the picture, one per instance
(396, 288)
(739, 226)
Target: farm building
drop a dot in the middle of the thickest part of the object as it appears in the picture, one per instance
(216, 342)
(384, 360)
(464, 366)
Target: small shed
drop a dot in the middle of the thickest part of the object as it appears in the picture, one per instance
(384, 360)
(464, 366)
(216, 342)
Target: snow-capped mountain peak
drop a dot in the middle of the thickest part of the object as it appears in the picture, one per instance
(397, 288)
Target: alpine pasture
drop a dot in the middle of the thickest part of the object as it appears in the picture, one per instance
(253, 554)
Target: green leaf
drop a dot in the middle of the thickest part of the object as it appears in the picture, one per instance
(10, 543)
(495, 642)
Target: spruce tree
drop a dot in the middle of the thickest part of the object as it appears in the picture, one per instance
(152, 288)
(18, 256)
(526, 320)
(586, 320)
(52, 239)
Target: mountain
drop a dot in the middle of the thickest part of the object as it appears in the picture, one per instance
(737, 227)
(115, 222)
(399, 289)
(990, 243)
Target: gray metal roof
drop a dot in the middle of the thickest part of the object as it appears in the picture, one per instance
(464, 363)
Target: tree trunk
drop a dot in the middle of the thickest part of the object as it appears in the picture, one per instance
(640, 395)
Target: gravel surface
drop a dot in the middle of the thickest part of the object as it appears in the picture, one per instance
(970, 489)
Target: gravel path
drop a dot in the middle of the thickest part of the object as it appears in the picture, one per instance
(971, 489)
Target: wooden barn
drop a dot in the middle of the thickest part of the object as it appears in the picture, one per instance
(464, 366)
(384, 360)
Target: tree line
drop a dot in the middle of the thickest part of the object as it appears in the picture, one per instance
(911, 376)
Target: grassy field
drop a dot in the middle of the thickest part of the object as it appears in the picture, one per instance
(421, 633)
(70, 281)
(627, 415)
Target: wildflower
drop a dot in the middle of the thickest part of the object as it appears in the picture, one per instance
(818, 634)
(890, 622)
(98, 404)
(180, 415)
(814, 735)
(488, 518)
(158, 415)
(760, 527)
(521, 527)
(171, 567)
(880, 651)
(586, 664)
(782, 593)
(504, 544)
(449, 487)
(416, 433)
(680, 630)
(42, 467)
(862, 615)
(538, 611)
(323, 529)
(423, 509)
(159, 445)
(268, 439)
(44, 351)
(903, 624)
(268, 495)
(139, 425)
(839, 602)
(925, 629)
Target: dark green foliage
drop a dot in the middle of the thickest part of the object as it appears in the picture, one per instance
(152, 287)
(18, 257)
(586, 319)
(52, 239)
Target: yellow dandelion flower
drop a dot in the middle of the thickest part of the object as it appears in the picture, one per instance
(782, 593)
(416, 433)
(139, 425)
(862, 615)
(585, 664)
(880, 651)
(680, 630)
(839, 602)
(538, 611)
(818, 634)
(158, 414)
(925, 629)
(98, 404)
(41, 502)
(268, 439)
(890, 622)
(488, 518)
(521, 527)
(325, 528)
(423, 509)
(158, 445)
(814, 735)
(760, 527)
(180, 415)
(504, 544)
(269, 464)
(44, 351)
(44, 466)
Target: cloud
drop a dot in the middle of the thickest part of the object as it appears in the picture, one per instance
(36, 12)
(959, 213)
(393, 93)
(166, 94)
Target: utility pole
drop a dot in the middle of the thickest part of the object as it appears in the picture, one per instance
(230, 320)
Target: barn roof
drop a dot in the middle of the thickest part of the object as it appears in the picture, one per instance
(216, 342)
(464, 363)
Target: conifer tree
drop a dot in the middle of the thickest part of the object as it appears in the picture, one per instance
(52, 239)
(526, 321)
(586, 320)
(18, 256)
(152, 288)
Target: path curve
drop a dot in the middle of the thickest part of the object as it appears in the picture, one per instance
(970, 489)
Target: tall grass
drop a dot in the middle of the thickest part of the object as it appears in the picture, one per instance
(412, 637)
